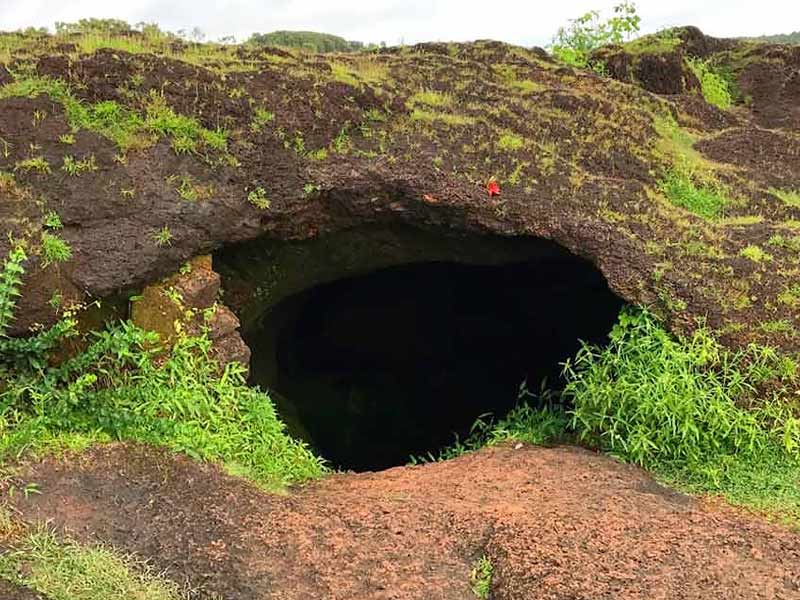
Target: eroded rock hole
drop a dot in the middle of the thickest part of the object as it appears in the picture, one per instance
(375, 368)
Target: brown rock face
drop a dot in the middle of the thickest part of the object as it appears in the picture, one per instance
(186, 156)
(188, 300)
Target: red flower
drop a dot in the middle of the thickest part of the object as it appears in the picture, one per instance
(493, 188)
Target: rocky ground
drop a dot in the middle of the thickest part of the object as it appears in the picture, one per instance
(557, 523)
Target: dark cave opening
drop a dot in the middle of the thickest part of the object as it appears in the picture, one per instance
(375, 368)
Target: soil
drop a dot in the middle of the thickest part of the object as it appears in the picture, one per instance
(557, 523)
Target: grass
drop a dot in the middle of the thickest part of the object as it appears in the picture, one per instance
(681, 190)
(510, 142)
(755, 253)
(54, 249)
(700, 417)
(123, 386)
(789, 197)
(65, 570)
(431, 98)
(74, 167)
(126, 128)
(448, 118)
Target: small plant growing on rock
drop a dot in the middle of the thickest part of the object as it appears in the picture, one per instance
(481, 577)
(258, 198)
(54, 249)
(38, 163)
(76, 167)
(52, 220)
(162, 237)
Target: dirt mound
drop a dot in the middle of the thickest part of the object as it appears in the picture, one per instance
(558, 523)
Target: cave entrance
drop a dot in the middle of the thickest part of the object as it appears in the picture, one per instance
(374, 368)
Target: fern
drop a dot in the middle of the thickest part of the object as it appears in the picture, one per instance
(10, 283)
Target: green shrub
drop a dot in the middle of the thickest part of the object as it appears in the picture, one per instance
(573, 44)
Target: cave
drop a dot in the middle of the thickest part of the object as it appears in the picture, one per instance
(394, 358)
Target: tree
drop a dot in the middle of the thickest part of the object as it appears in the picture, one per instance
(573, 44)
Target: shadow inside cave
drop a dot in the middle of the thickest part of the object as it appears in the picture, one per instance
(375, 368)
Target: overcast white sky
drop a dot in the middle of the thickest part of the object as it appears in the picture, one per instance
(525, 22)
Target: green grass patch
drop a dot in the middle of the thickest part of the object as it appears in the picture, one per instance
(510, 142)
(65, 570)
(124, 387)
(122, 126)
(186, 133)
(680, 189)
(431, 98)
(789, 197)
(449, 118)
(715, 86)
(702, 418)
(755, 253)
(54, 249)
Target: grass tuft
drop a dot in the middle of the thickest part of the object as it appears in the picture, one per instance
(65, 570)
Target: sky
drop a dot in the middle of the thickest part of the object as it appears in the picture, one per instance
(523, 22)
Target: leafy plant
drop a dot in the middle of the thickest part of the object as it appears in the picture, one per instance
(480, 577)
(573, 44)
(125, 386)
(258, 198)
(52, 220)
(10, 282)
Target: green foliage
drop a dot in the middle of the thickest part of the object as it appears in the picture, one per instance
(261, 117)
(69, 571)
(306, 40)
(716, 88)
(680, 189)
(162, 237)
(573, 44)
(186, 132)
(123, 386)
(781, 38)
(510, 142)
(84, 26)
(431, 98)
(258, 198)
(54, 249)
(10, 283)
(480, 577)
(691, 411)
(75, 167)
(38, 164)
(52, 220)
(755, 253)
(789, 197)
